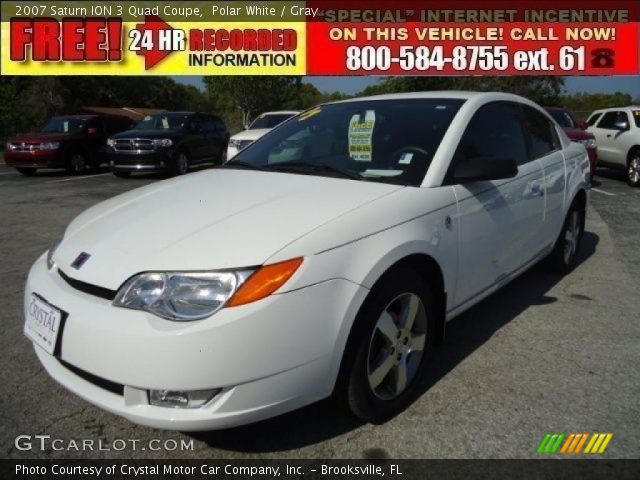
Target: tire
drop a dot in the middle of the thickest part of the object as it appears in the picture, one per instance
(563, 258)
(371, 384)
(633, 169)
(121, 174)
(76, 163)
(27, 172)
(180, 164)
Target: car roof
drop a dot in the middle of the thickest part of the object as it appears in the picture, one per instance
(442, 94)
(281, 112)
(79, 117)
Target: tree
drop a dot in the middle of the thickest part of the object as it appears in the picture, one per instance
(250, 94)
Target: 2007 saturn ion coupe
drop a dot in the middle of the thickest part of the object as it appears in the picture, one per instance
(324, 259)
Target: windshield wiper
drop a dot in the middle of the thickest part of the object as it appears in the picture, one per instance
(240, 164)
(315, 167)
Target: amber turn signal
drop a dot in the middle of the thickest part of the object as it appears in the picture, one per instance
(266, 280)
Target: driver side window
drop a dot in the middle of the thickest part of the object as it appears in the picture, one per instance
(495, 131)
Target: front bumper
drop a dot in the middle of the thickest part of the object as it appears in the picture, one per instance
(147, 161)
(34, 159)
(268, 357)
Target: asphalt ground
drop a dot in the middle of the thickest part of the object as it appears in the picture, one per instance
(544, 354)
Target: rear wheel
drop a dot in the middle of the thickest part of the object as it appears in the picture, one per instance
(76, 163)
(388, 347)
(29, 172)
(564, 255)
(633, 169)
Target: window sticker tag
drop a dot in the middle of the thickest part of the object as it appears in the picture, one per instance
(405, 158)
(65, 126)
(165, 122)
(360, 135)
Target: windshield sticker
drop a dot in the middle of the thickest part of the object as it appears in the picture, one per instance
(309, 113)
(360, 135)
(165, 122)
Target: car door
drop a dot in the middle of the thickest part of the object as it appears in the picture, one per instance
(610, 138)
(500, 221)
(544, 145)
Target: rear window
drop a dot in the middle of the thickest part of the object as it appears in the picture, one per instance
(636, 117)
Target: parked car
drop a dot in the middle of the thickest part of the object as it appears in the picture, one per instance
(169, 142)
(324, 259)
(72, 142)
(576, 133)
(257, 129)
(617, 131)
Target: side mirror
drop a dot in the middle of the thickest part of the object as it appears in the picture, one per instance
(622, 125)
(583, 125)
(484, 168)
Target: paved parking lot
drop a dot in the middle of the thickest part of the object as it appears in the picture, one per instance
(542, 355)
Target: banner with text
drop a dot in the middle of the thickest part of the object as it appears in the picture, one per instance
(320, 37)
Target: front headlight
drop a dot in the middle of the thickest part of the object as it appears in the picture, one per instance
(9, 146)
(52, 250)
(162, 142)
(50, 146)
(196, 295)
(588, 143)
(111, 142)
(180, 295)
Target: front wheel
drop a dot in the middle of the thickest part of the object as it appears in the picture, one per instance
(76, 163)
(563, 258)
(180, 164)
(388, 348)
(633, 170)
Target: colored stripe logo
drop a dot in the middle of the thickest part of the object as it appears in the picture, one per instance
(573, 443)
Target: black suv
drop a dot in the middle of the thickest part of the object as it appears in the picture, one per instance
(168, 142)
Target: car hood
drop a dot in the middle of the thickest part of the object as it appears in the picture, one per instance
(168, 133)
(577, 134)
(43, 137)
(215, 219)
(251, 134)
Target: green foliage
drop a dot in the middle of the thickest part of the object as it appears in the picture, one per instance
(582, 104)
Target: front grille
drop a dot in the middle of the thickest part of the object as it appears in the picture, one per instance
(88, 287)
(24, 147)
(100, 382)
(135, 145)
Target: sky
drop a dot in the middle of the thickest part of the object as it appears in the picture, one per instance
(350, 85)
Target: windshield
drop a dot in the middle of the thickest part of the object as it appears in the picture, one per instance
(163, 121)
(563, 118)
(64, 125)
(391, 141)
(270, 121)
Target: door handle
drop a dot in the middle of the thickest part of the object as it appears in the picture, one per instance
(609, 135)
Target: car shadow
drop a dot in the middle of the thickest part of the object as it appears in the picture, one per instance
(617, 174)
(58, 172)
(324, 420)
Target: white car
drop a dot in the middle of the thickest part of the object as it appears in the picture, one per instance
(261, 125)
(324, 259)
(617, 132)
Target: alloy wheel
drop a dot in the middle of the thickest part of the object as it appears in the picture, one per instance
(572, 237)
(397, 346)
(183, 164)
(633, 172)
(77, 163)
